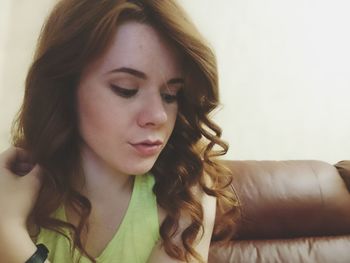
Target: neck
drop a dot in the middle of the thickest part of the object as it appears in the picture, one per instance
(100, 182)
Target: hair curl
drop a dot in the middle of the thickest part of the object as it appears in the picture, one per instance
(77, 32)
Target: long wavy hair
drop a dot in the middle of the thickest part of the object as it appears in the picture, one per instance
(76, 33)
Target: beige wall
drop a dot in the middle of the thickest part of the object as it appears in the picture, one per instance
(284, 72)
(285, 75)
(20, 24)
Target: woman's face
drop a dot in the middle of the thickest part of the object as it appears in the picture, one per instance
(127, 104)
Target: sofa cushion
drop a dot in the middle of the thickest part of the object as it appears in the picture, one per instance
(308, 250)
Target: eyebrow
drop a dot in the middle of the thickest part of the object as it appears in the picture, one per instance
(142, 75)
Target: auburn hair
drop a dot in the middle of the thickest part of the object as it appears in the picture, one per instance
(77, 32)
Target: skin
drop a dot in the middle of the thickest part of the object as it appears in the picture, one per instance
(119, 107)
(17, 198)
(126, 96)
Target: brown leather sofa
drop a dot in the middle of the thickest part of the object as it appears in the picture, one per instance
(291, 212)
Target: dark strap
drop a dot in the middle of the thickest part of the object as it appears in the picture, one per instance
(40, 254)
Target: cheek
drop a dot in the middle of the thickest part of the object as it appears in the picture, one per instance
(172, 116)
(92, 115)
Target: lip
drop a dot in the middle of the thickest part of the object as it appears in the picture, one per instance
(147, 147)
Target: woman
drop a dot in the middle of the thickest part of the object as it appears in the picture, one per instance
(115, 123)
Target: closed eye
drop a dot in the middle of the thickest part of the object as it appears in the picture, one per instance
(123, 92)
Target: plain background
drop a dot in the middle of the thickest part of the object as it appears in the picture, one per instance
(284, 70)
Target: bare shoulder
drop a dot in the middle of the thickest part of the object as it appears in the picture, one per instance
(202, 243)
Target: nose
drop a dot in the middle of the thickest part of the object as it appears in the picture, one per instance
(153, 112)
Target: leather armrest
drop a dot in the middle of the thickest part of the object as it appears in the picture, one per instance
(344, 171)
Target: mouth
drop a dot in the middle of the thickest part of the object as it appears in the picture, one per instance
(147, 147)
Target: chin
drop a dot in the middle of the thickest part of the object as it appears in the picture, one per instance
(142, 168)
(140, 171)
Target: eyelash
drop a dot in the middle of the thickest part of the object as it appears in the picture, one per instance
(124, 93)
(129, 93)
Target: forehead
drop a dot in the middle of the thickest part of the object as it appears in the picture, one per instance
(142, 47)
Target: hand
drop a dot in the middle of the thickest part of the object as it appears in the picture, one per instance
(20, 182)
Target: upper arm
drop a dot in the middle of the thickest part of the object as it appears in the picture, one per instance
(201, 245)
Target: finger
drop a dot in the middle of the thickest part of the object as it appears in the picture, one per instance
(36, 171)
(26, 167)
(35, 176)
(23, 155)
(16, 160)
(8, 156)
(22, 168)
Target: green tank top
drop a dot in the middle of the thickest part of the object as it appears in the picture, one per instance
(134, 239)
